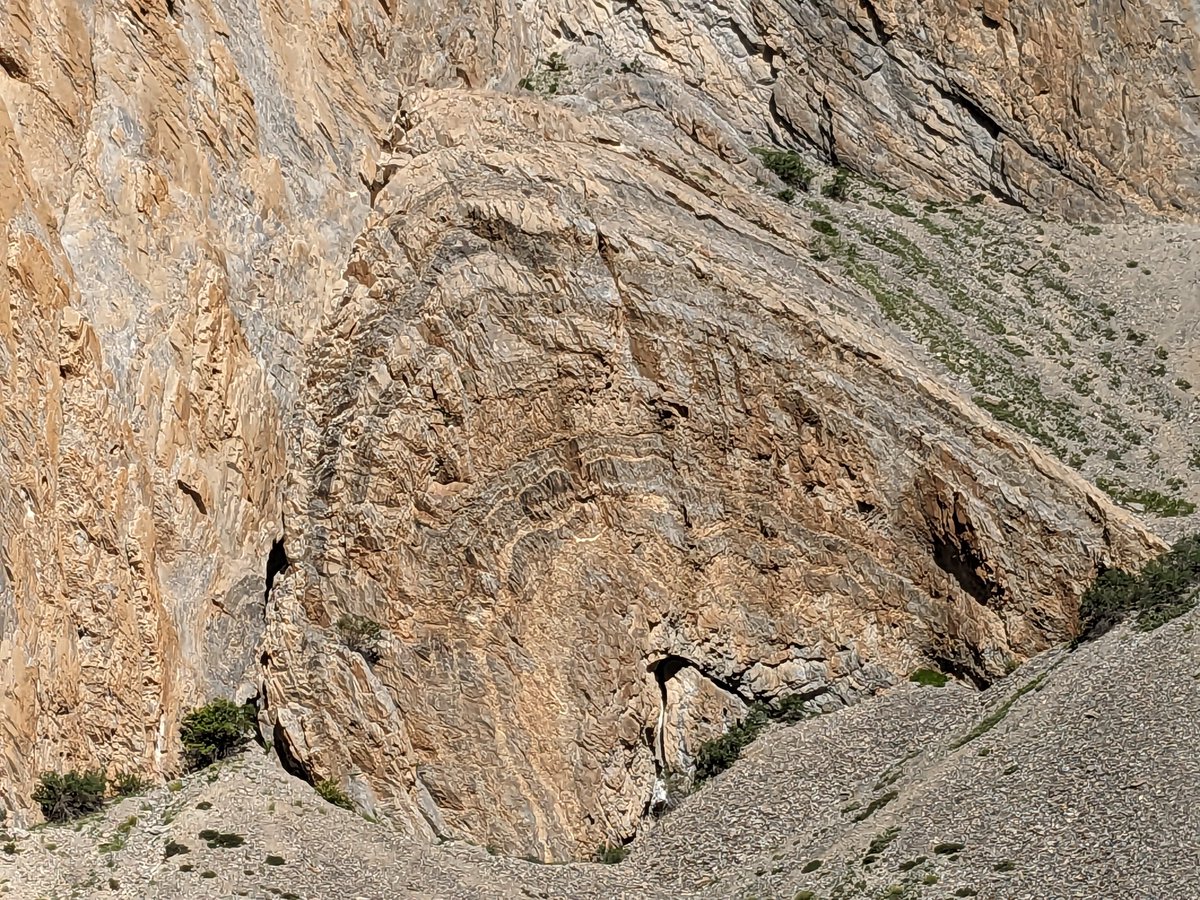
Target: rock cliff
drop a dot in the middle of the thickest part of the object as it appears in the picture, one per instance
(308, 311)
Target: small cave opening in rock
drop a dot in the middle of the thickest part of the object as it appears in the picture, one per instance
(277, 564)
(956, 558)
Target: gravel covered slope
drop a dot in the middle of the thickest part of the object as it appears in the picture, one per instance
(1077, 776)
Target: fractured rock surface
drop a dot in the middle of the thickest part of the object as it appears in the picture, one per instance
(548, 388)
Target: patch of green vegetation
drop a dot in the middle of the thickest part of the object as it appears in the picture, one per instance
(1183, 384)
(929, 678)
(716, 755)
(789, 709)
(332, 792)
(274, 861)
(913, 863)
(966, 892)
(821, 226)
(129, 784)
(879, 844)
(787, 195)
(174, 848)
(947, 848)
(995, 718)
(120, 836)
(186, 867)
(546, 77)
(203, 804)
(611, 854)
(1164, 590)
(1137, 338)
(838, 187)
(175, 786)
(215, 731)
(875, 805)
(1005, 865)
(812, 865)
(10, 848)
(1151, 500)
(788, 166)
(851, 807)
(362, 635)
(222, 839)
(930, 879)
(70, 795)
(208, 873)
(899, 209)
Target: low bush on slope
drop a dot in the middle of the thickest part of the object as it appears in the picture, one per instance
(67, 796)
(1165, 589)
(214, 731)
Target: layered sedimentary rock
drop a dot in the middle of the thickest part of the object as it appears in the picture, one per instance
(550, 389)
(177, 191)
(1072, 107)
(582, 414)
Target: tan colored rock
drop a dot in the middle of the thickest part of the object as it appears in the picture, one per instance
(550, 390)
(573, 416)
(1062, 106)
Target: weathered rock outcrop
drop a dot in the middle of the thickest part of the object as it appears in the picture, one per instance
(581, 408)
(550, 389)
(1071, 107)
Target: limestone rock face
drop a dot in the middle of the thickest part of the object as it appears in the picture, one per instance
(1064, 106)
(175, 191)
(582, 409)
(551, 390)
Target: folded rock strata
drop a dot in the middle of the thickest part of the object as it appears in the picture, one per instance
(552, 390)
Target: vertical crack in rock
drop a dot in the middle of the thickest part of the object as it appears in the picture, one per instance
(277, 564)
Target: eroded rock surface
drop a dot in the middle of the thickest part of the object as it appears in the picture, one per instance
(582, 407)
(549, 388)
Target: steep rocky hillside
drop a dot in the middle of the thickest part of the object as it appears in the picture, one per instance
(1074, 776)
(489, 330)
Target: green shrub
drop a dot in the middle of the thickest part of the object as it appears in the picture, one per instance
(928, 678)
(790, 709)
(879, 843)
(875, 805)
(223, 839)
(715, 756)
(64, 797)
(333, 793)
(823, 227)
(1165, 589)
(362, 635)
(787, 165)
(611, 853)
(787, 195)
(214, 732)
(837, 188)
(174, 848)
(130, 784)
(546, 76)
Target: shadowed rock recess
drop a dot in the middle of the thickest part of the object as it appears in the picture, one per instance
(485, 324)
